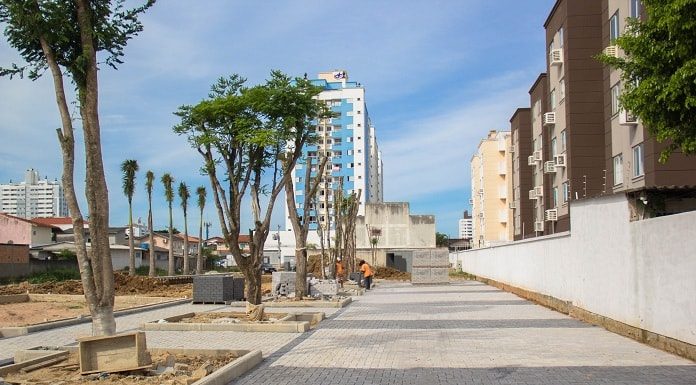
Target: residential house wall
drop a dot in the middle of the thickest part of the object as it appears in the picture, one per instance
(23, 231)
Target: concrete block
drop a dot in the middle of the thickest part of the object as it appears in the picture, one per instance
(421, 258)
(328, 287)
(420, 275)
(216, 288)
(439, 258)
(439, 275)
(116, 353)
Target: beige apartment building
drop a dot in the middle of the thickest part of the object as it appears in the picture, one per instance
(491, 186)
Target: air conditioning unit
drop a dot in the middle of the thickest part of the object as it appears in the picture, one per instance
(560, 160)
(532, 194)
(556, 57)
(531, 161)
(627, 119)
(551, 215)
(537, 156)
(513, 205)
(511, 149)
(549, 167)
(612, 51)
(480, 191)
(538, 226)
(549, 119)
(539, 191)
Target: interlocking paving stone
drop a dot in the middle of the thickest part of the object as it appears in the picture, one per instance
(463, 333)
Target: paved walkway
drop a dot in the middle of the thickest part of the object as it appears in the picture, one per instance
(464, 333)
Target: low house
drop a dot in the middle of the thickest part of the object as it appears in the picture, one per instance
(63, 223)
(15, 230)
(117, 236)
(162, 247)
(120, 254)
(219, 248)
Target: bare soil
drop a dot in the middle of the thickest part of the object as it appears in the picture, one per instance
(391, 274)
(68, 372)
(38, 311)
(240, 317)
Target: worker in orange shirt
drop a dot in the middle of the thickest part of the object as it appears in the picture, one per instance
(340, 271)
(367, 273)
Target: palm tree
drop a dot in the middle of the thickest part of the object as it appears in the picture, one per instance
(129, 167)
(200, 191)
(149, 181)
(185, 195)
(168, 181)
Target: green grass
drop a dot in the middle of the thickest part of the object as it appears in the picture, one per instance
(54, 275)
(145, 270)
(454, 273)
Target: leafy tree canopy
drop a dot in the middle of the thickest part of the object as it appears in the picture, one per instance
(659, 72)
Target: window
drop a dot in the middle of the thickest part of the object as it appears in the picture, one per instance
(614, 28)
(561, 89)
(298, 179)
(563, 141)
(635, 9)
(349, 139)
(638, 161)
(615, 99)
(618, 170)
(349, 152)
(566, 191)
(560, 37)
(555, 197)
(553, 147)
(553, 99)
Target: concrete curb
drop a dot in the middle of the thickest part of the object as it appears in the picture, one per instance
(291, 323)
(319, 304)
(9, 332)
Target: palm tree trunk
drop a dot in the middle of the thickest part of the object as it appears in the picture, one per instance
(186, 246)
(152, 271)
(131, 248)
(170, 270)
(199, 257)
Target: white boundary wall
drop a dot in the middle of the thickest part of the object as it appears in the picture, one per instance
(640, 273)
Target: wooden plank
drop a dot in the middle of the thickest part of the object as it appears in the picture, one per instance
(44, 364)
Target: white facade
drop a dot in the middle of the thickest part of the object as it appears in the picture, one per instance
(466, 228)
(33, 198)
(139, 228)
(350, 139)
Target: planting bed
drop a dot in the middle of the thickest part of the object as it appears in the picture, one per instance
(237, 321)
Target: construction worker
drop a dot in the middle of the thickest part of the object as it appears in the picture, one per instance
(340, 271)
(367, 273)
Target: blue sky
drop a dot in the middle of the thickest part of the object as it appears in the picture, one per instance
(438, 76)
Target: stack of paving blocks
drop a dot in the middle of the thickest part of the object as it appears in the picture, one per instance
(283, 283)
(215, 288)
(430, 267)
(323, 287)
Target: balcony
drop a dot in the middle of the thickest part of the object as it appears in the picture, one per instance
(502, 193)
(503, 216)
(502, 168)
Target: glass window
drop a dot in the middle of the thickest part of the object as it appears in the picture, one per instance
(553, 99)
(615, 99)
(618, 170)
(555, 197)
(561, 89)
(635, 9)
(614, 28)
(563, 141)
(638, 160)
(566, 191)
(553, 147)
(560, 37)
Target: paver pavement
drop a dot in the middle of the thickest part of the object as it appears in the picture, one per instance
(463, 333)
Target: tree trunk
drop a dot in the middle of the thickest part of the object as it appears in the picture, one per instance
(170, 262)
(152, 271)
(131, 249)
(186, 246)
(252, 280)
(96, 190)
(199, 256)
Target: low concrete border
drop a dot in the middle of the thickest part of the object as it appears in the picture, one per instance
(8, 332)
(647, 337)
(291, 323)
(13, 298)
(246, 361)
(319, 304)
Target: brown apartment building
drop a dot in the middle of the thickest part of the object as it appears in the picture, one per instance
(521, 148)
(577, 140)
(631, 157)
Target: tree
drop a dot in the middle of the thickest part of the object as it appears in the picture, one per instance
(64, 37)
(300, 224)
(185, 195)
(658, 72)
(247, 132)
(200, 191)
(149, 183)
(441, 240)
(129, 167)
(168, 182)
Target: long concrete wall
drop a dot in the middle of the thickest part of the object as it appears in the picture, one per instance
(641, 273)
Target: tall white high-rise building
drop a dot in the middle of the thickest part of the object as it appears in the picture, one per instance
(466, 226)
(33, 198)
(351, 141)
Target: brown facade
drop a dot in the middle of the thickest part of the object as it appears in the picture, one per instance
(14, 253)
(581, 107)
(521, 128)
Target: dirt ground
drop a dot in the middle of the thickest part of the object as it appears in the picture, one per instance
(38, 311)
(388, 273)
(240, 317)
(68, 372)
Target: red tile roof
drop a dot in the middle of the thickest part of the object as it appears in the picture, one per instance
(55, 221)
